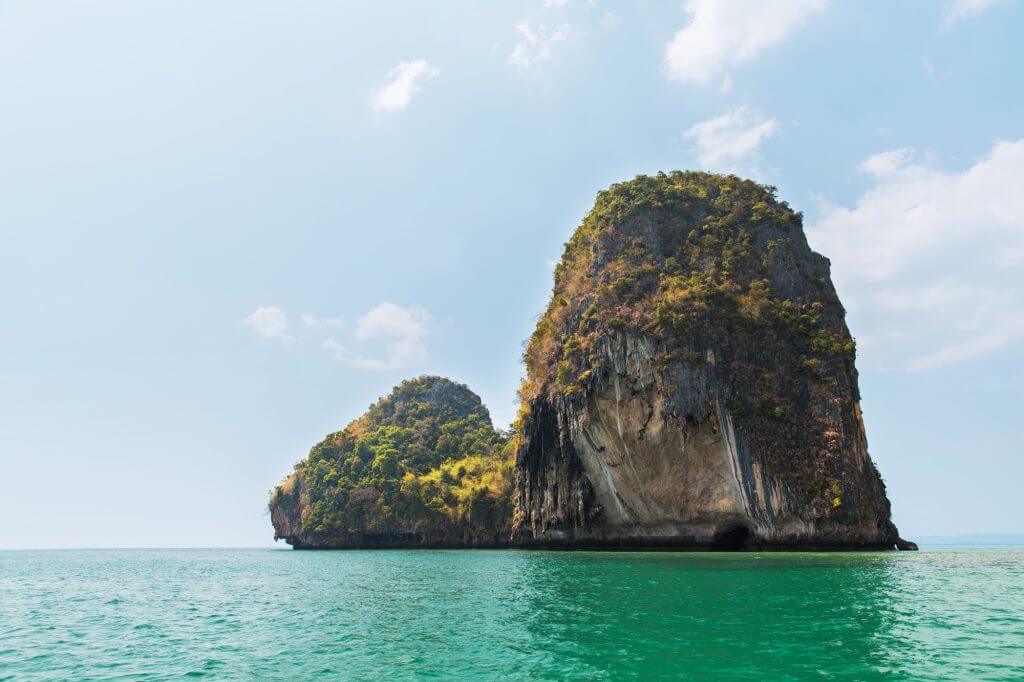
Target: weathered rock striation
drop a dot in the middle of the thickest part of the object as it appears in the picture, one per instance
(692, 382)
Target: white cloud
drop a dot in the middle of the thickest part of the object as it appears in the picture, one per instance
(269, 321)
(402, 330)
(610, 20)
(722, 34)
(555, 3)
(886, 162)
(932, 257)
(728, 142)
(314, 322)
(958, 9)
(535, 45)
(403, 81)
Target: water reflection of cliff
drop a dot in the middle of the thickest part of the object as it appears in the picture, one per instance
(772, 616)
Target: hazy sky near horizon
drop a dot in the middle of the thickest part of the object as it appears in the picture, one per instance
(226, 228)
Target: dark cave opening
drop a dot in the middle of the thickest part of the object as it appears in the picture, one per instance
(731, 539)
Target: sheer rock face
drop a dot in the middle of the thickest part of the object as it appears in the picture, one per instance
(286, 511)
(710, 400)
(656, 458)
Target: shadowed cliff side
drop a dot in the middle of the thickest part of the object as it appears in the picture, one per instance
(692, 382)
(424, 467)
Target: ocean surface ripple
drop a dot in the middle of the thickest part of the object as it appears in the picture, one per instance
(280, 614)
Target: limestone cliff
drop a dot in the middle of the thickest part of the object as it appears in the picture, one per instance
(692, 382)
(424, 467)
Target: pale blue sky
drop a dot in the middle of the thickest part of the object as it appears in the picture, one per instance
(182, 182)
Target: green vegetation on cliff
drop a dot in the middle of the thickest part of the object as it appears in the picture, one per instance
(678, 256)
(426, 458)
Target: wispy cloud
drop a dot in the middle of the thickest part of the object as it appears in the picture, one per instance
(401, 330)
(730, 142)
(535, 44)
(402, 82)
(270, 322)
(314, 322)
(722, 34)
(932, 257)
(960, 9)
(610, 20)
(886, 163)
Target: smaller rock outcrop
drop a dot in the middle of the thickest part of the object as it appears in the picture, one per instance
(424, 467)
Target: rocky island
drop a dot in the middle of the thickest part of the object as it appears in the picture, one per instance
(691, 384)
(424, 467)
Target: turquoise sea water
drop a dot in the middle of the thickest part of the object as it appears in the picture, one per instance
(280, 614)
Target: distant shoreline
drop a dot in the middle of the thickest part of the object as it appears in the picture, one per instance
(973, 539)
